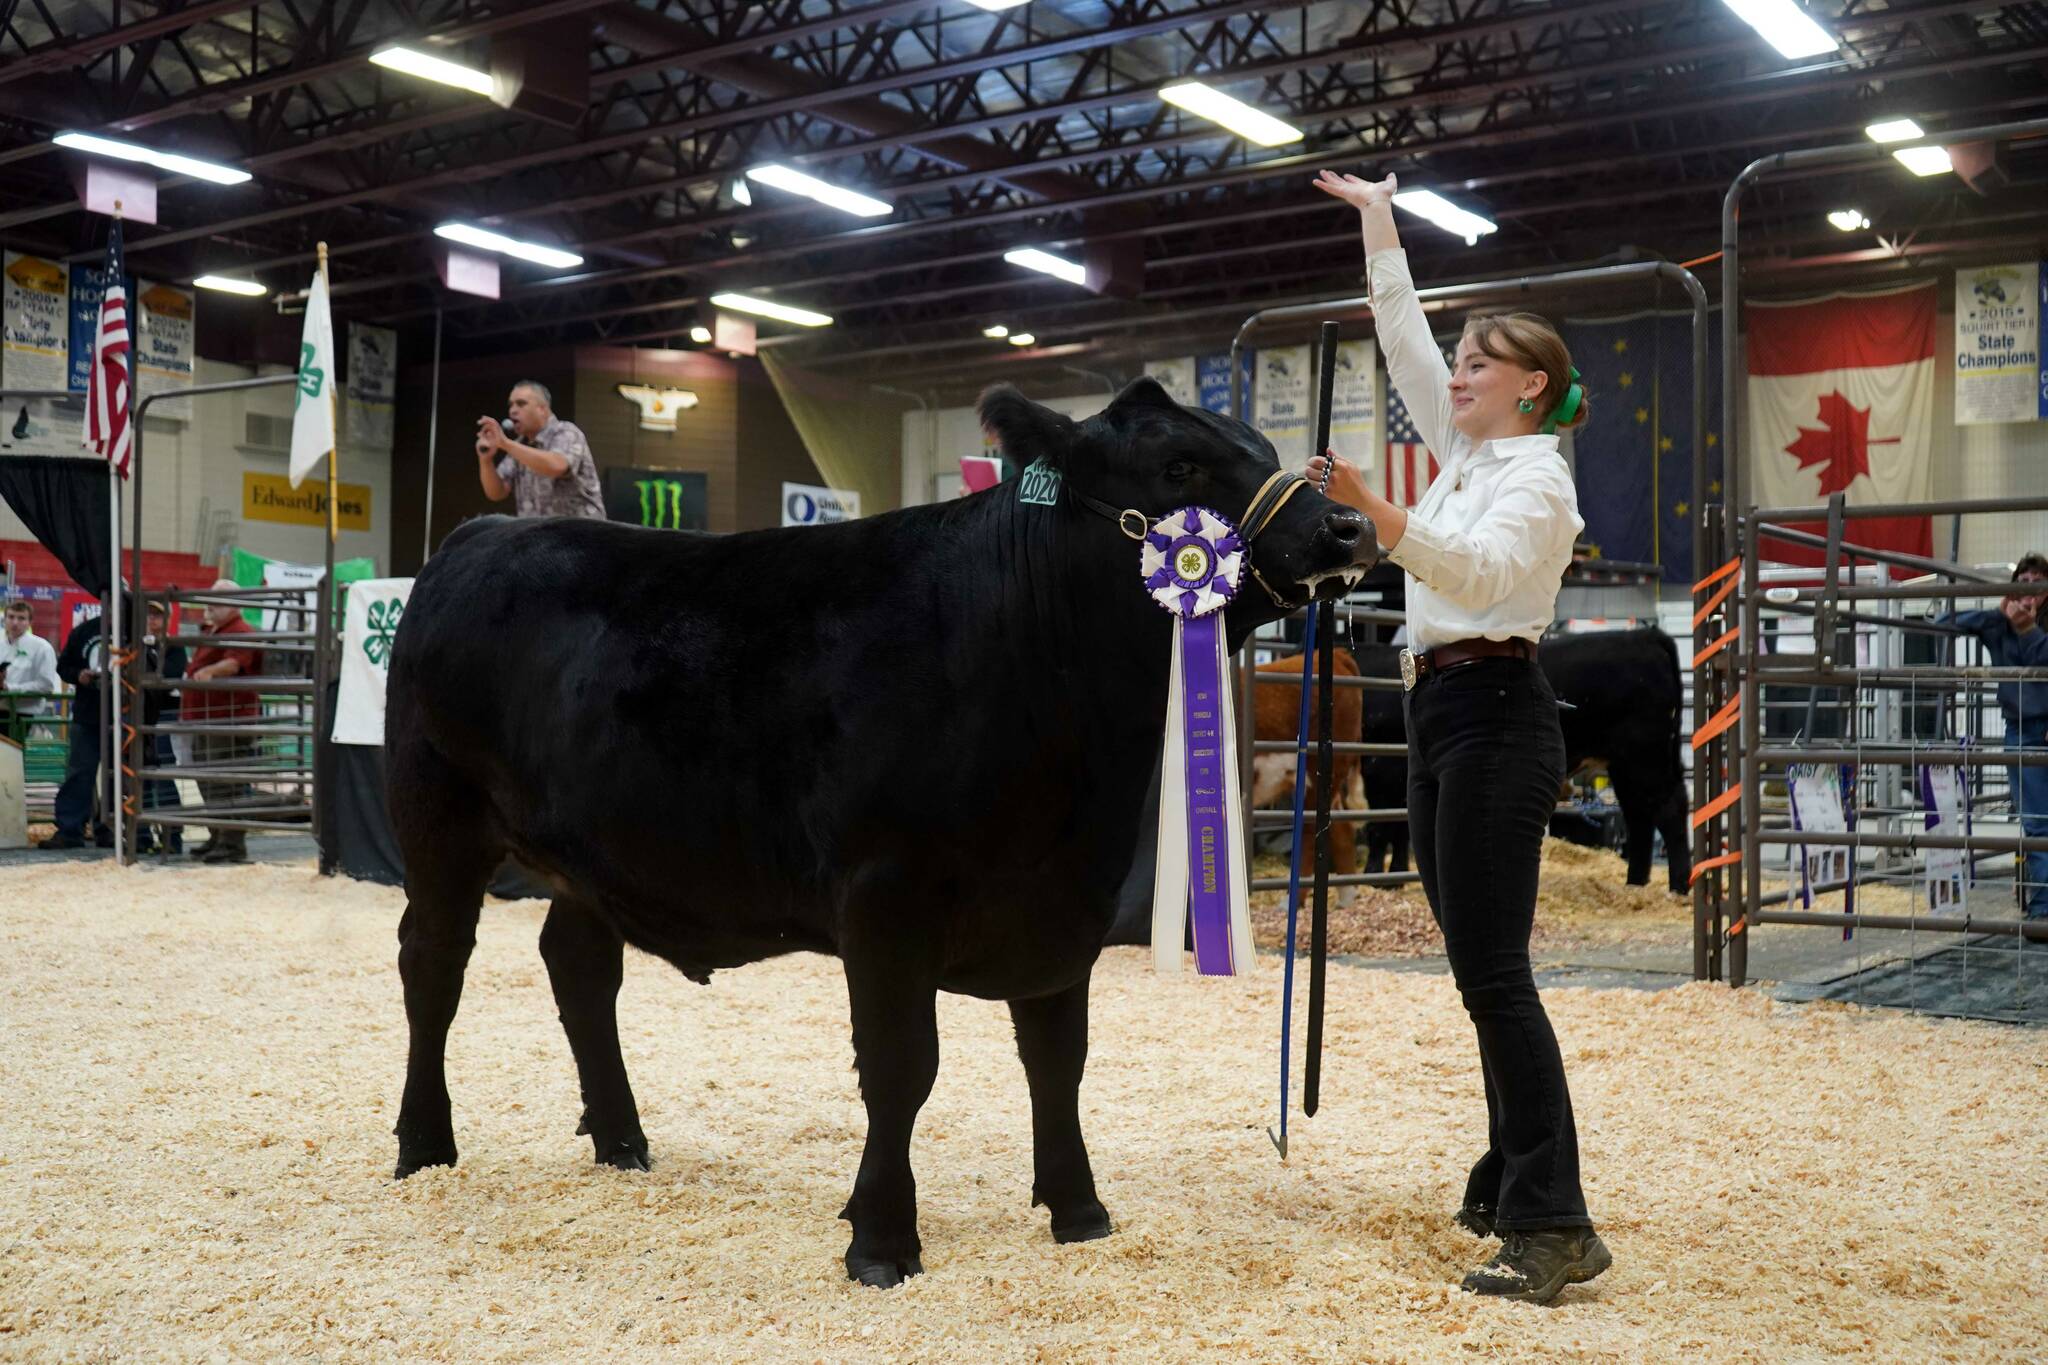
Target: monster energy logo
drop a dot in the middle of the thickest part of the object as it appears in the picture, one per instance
(661, 504)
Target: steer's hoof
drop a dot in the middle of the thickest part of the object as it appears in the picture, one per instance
(1089, 1226)
(418, 1159)
(626, 1155)
(881, 1274)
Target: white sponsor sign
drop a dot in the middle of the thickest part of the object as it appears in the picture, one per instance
(163, 346)
(1282, 401)
(375, 606)
(372, 385)
(1177, 377)
(1354, 417)
(1941, 794)
(1817, 807)
(1998, 344)
(806, 504)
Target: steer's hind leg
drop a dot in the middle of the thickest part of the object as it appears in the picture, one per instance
(892, 982)
(585, 958)
(1052, 1038)
(448, 860)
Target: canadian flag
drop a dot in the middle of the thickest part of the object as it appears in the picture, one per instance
(1841, 399)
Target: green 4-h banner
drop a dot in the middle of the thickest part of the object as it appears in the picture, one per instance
(254, 571)
(375, 606)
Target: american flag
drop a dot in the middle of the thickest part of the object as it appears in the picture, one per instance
(1410, 466)
(108, 396)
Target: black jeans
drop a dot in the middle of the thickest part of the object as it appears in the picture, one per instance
(1485, 760)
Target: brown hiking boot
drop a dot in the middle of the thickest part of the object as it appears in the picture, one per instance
(1534, 1265)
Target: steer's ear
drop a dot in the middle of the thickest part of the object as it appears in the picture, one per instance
(1025, 430)
(1145, 391)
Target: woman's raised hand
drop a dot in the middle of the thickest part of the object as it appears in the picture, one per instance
(1359, 193)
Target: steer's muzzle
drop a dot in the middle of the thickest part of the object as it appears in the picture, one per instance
(1341, 548)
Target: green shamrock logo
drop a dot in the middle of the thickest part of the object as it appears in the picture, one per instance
(383, 629)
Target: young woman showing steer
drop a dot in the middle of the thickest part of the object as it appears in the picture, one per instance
(1484, 552)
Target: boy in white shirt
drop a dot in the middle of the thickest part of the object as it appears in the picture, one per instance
(30, 662)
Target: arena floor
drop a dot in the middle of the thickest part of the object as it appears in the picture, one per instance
(204, 1067)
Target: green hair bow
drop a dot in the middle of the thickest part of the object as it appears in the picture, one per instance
(1569, 408)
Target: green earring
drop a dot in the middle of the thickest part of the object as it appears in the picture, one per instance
(1527, 405)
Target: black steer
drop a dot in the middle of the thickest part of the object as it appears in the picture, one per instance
(1623, 694)
(918, 741)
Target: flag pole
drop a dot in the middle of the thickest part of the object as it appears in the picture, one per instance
(327, 599)
(111, 672)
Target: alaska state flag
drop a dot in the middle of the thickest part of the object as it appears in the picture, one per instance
(1841, 399)
(1633, 458)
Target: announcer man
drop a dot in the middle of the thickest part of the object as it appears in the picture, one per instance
(538, 460)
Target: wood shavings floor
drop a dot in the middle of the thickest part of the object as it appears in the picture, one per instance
(203, 1065)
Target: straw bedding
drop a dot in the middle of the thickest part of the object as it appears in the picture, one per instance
(203, 1067)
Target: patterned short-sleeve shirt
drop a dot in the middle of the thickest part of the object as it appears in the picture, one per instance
(575, 494)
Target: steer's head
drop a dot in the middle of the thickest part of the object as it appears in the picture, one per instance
(1145, 451)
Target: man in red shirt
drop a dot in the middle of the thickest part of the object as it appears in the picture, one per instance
(238, 706)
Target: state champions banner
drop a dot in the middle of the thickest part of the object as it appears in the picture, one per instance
(1841, 399)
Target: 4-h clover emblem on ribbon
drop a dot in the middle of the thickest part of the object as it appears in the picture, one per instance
(383, 629)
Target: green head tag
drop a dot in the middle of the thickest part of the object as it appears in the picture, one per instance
(1040, 484)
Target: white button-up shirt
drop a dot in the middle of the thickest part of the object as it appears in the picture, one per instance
(31, 667)
(1487, 547)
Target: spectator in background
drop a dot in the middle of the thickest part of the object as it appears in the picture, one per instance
(542, 463)
(2011, 632)
(213, 662)
(160, 707)
(29, 661)
(83, 660)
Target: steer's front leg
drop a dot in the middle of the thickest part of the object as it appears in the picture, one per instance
(1052, 1038)
(892, 982)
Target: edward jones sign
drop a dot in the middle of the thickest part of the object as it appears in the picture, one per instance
(271, 497)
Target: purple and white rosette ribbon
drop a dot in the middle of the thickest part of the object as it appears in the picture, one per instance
(1192, 562)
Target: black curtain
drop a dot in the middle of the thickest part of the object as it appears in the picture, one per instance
(63, 502)
(356, 838)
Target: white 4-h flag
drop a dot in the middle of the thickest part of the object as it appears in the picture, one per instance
(1841, 399)
(313, 412)
(375, 606)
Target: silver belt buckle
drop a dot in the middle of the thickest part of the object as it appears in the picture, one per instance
(1408, 670)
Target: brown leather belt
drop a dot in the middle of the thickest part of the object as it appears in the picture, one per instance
(1416, 667)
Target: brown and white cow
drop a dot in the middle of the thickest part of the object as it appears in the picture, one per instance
(1278, 705)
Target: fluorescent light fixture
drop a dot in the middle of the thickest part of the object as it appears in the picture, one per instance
(1924, 160)
(1893, 130)
(1430, 205)
(742, 193)
(163, 161)
(1785, 26)
(1253, 125)
(1031, 258)
(228, 285)
(431, 68)
(1023, 339)
(995, 333)
(781, 312)
(701, 335)
(796, 182)
(1849, 220)
(997, 4)
(487, 240)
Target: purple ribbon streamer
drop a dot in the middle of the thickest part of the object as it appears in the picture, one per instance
(1208, 831)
